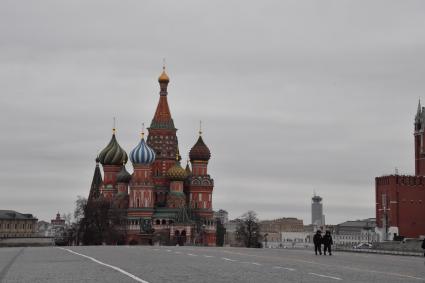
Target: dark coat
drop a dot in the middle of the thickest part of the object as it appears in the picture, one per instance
(317, 239)
(327, 240)
(423, 244)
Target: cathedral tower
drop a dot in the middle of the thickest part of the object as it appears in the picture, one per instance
(200, 183)
(163, 140)
(141, 185)
(177, 175)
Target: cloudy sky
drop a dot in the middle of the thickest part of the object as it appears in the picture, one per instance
(295, 96)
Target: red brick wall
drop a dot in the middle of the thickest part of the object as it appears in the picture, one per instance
(405, 201)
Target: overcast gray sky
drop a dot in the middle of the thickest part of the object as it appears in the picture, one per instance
(295, 96)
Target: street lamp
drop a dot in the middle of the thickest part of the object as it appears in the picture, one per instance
(203, 233)
(265, 239)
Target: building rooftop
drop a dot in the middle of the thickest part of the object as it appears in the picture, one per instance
(10, 214)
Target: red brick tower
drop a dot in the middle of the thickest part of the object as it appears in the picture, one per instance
(163, 140)
(200, 188)
(400, 199)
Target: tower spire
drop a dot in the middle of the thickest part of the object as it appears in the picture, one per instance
(162, 118)
(143, 131)
(114, 125)
(163, 80)
(418, 113)
(200, 128)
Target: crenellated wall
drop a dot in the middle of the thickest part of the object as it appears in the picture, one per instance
(400, 201)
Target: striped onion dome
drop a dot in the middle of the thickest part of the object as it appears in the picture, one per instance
(113, 154)
(142, 154)
(177, 173)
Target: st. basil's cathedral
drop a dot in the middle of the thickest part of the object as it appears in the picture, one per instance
(163, 201)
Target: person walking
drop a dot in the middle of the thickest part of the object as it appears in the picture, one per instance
(423, 246)
(317, 240)
(327, 242)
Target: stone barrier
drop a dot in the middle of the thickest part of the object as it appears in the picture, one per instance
(27, 242)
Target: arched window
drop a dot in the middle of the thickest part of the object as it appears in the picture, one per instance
(158, 222)
(138, 203)
(164, 222)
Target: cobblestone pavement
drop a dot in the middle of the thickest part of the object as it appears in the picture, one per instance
(201, 264)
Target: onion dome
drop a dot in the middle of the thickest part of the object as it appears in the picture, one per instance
(142, 153)
(200, 151)
(163, 78)
(113, 154)
(123, 176)
(177, 173)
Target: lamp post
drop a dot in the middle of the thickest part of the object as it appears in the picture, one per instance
(203, 234)
(265, 239)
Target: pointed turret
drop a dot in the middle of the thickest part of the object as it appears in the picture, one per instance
(162, 118)
(187, 169)
(96, 182)
(419, 111)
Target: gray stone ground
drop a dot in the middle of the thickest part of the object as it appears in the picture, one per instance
(199, 264)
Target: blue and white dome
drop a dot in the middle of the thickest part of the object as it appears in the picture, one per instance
(142, 154)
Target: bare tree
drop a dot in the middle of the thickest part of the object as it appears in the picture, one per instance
(248, 230)
(68, 218)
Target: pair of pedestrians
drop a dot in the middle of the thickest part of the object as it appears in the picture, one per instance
(326, 240)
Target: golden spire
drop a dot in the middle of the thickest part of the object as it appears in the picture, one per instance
(177, 155)
(143, 131)
(113, 128)
(200, 128)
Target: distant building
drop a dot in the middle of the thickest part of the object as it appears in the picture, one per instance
(295, 237)
(271, 239)
(317, 217)
(285, 224)
(400, 200)
(15, 224)
(357, 231)
(58, 221)
(355, 227)
(231, 238)
(223, 215)
(44, 229)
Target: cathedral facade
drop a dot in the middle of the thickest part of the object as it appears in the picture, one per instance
(163, 202)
